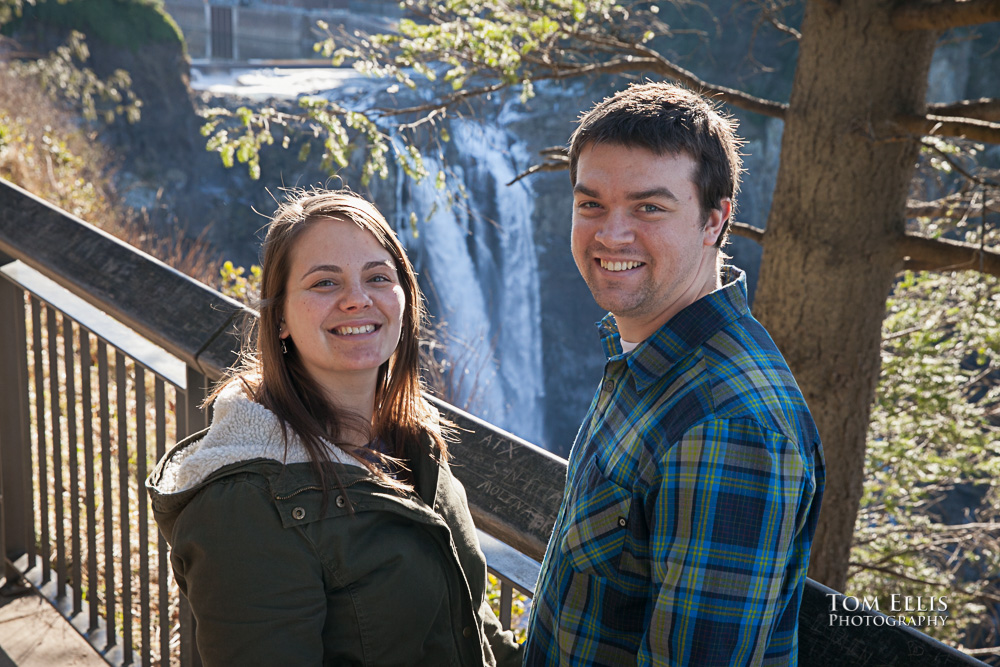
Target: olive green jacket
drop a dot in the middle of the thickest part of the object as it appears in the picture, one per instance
(274, 578)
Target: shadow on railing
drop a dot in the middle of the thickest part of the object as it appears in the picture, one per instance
(106, 354)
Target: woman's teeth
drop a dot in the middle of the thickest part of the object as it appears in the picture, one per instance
(352, 331)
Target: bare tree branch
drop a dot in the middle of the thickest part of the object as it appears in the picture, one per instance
(921, 253)
(652, 61)
(747, 231)
(953, 206)
(448, 101)
(787, 29)
(552, 165)
(948, 126)
(892, 572)
(770, 11)
(943, 15)
(657, 65)
(980, 651)
(959, 168)
(982, 109)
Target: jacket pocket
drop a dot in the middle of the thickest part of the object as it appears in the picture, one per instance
(596, 523)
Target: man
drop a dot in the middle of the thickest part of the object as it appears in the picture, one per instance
(695, 481)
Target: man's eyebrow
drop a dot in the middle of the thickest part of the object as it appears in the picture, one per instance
(653, 193)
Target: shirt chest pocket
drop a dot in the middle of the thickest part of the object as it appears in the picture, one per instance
(596, 523)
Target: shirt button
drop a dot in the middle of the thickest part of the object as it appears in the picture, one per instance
(298, 514)
(609, 386)
(340, 501)
(622, 522)
(467, 632)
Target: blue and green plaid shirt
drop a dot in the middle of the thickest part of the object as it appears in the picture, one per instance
(692, 496)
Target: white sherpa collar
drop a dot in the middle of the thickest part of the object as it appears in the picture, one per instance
(241, 430)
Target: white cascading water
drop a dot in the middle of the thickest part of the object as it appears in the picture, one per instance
(479, 261)
(479, 253)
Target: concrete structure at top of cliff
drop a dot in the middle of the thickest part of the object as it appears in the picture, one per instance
(244, 30)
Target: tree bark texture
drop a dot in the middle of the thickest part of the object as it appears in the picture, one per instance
(837, 217)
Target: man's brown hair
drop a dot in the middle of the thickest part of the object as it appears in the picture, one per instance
(669, 119)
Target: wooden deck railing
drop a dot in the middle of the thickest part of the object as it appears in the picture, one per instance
(106, 354)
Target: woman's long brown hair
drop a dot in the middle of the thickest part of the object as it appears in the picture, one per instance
(403, 420)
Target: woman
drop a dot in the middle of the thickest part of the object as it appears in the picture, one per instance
(317, 521)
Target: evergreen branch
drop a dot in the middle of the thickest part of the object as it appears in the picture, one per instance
(938, 16)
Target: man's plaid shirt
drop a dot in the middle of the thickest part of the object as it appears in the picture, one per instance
(692, 496)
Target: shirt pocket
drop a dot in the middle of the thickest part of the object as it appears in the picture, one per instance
(596, 523)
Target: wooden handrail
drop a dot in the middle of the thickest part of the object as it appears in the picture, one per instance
(188, 318)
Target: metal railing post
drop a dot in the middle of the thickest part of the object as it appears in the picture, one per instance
(196, 419)
(14, 438)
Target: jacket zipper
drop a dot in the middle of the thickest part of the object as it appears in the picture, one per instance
(319, 488)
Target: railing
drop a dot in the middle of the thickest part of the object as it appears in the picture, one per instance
(88, 323)
(90, 404)
(75, 538)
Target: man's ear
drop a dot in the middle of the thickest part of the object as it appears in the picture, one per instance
(715, 221)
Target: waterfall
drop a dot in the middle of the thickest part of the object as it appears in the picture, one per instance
(477, 260)
(474, 250)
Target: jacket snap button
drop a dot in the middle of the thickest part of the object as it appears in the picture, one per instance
(340, 501)
(298, 514)
(609, 386)
(467, 632)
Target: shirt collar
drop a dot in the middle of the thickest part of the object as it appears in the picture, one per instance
(683, 333)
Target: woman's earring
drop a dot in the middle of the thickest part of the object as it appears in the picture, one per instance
(284, 347)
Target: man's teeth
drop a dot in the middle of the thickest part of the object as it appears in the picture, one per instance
(619, 266)
(351, 331)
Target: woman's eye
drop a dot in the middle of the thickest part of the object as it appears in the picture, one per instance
(379, 278)
(324, 283)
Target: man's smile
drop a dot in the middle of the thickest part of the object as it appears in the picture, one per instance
(626, 265)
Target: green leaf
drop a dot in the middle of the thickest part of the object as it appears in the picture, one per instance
(304, 151)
